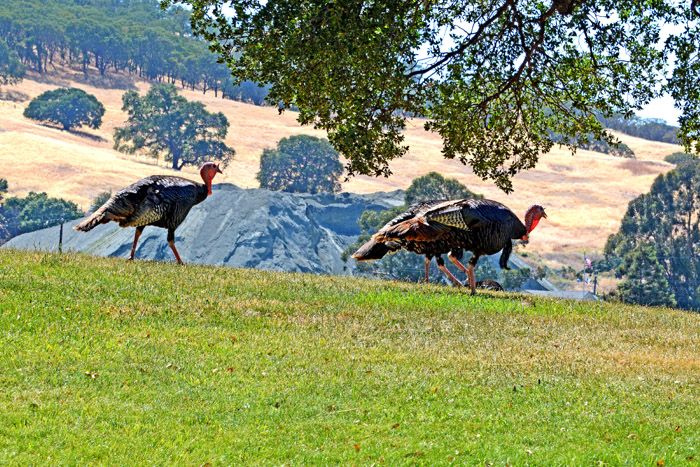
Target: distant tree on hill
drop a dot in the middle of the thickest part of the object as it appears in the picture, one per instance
(301, 164)
(661, 229)
(163, 123)
(100, 199)
(3, 187)
(4, 234)
(513, 279)
(435, 186)
(247, 91)
(653, 129)
(11, 69)
(69, 108)
(36, 211)
(590, 143)
(678, 158)
(645, 282)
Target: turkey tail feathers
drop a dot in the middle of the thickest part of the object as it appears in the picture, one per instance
(371, 250)
(101, 216)
(410, 230)
(97, 218)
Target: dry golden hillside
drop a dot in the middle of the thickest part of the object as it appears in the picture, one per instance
(585, 195)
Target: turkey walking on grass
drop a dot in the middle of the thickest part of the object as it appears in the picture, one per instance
(432, 228)
(159, 200)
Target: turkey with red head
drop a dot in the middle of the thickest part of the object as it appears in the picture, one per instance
(159, 200)
(433, 228)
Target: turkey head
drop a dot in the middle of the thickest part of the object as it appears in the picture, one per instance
(208, 171)
(532, 218)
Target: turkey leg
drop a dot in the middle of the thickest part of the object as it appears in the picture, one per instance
(137, 234)
(427, 266)
(171, 242)
(457, 263)
(443, 268)
(472, 278)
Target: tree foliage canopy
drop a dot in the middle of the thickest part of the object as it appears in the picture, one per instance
(35, 211)
(3, 187)
(301, 164)
(11, 69)
(68, 107)
(163, 123)
(134, 36)
(645, 282)
(434, 186)
(662, 227)
(493, 79)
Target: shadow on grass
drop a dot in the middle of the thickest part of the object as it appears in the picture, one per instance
(13, 95)
(80, 133)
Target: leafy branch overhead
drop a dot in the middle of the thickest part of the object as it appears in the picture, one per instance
(494, 81)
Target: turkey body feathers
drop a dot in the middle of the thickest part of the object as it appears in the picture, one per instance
(161, 201)
(436, 227)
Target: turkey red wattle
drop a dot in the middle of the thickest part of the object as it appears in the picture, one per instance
(532, 218)
(208, 172)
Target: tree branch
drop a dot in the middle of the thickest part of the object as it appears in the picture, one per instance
(464, 46)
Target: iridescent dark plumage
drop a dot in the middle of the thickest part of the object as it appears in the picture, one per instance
(433, 228)
(158, 200)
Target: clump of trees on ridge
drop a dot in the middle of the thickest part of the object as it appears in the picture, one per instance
(136, 37)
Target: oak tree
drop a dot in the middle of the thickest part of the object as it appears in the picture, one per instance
(163, 123)
(11, 69)
(494, 79)
(301, 164)
(68, 107)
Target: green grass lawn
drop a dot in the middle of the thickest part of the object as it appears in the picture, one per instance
(103, 361)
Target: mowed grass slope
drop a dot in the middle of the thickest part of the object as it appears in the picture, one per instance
(133, 363)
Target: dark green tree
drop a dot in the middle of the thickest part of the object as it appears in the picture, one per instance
(301, 164)
(404, 265)
(99, 200)
(36, 211)
(645, 281)
(665, 224)
(163, 123)
(435, 186)
(510, 73)
(11, 69)
(68, 107)
(678, 158)
(513, 279)
(3, 187)
(4, 233)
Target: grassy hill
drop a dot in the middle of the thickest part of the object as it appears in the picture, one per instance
(107, 361)
(586, 195)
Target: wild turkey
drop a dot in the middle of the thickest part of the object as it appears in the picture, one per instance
(373, 250)
(159, 200)
(432, 228)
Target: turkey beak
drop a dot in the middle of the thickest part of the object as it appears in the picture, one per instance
(218, 170)
(544, 214)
